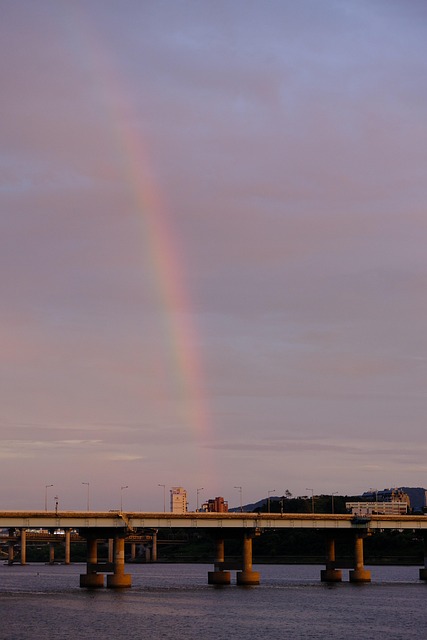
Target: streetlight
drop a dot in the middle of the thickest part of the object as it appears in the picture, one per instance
(332, 500)
(164, 496)
(312, 499)
(121, 496)
(87, 484)
(197, 501)
(45, 495)
(268, 501)
(56, 504)
(241, 499)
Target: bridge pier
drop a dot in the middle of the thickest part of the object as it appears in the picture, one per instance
(10, 552)
(219, 576)
(247, 576)
(423, 571)
(91, 579)
(330, 574)
(67, 546)
(110, 549)
(51, 553)
(23, 546)
(119, 579)
(359, 573)
(132, 550)
(154, 547)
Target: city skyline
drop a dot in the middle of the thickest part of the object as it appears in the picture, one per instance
(170, 502)
(213, 230)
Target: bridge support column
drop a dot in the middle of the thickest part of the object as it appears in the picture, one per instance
(91, 578)
(219, 576)
(67, 546)
(154, 547)
(119, 579)
(423, 571)
(247, 576)
(110, 549)
(359, 573)
(330, 574)
(10, 552)
(51, 553)
(23, 546)
(133, 550)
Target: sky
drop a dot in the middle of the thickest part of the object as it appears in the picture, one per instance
(213, 257)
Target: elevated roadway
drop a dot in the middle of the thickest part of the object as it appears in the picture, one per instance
(81, 520)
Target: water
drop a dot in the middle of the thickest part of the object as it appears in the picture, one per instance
(175, 602)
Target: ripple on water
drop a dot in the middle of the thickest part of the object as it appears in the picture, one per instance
(174, 601)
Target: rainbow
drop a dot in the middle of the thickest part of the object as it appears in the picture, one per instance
(160, 242)
(167, 263)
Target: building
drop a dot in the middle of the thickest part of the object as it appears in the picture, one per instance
(178, 500)
(216, 505)
(385, 508)
(386, 502)
(387, 495)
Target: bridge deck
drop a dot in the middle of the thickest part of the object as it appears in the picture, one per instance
(141, 520)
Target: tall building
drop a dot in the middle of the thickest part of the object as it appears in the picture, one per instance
(386, 502)
(178, 500)
(387, 495)
(216, 505)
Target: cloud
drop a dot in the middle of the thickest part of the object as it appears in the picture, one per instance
(35, 448)
(347, 447)
(124, 457)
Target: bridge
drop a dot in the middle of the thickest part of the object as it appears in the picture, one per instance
(121, 526)
(20, 538)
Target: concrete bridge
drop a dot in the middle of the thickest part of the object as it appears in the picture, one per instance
(120, 526)
(16, 540)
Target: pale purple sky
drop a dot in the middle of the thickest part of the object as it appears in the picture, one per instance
(213, 236)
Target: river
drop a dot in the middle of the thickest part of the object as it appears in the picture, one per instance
(173, 601)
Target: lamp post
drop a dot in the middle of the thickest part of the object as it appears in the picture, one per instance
(88, 500)
(268, 500)
(164, 496)
(332, 500)
(197, 500)
(241, 498)
(56, 504)
(45, 495)
(312, 499)
(121, 496)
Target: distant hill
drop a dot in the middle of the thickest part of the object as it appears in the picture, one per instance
(417, 496)
(248, 508)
